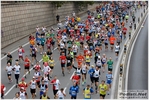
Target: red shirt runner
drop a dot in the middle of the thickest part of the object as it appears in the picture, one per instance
(63, 59)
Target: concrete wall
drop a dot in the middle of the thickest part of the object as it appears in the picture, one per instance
(20, 20)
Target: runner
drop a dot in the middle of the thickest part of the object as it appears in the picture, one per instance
(37, 76)
(102, 89)
(43, 88)
(51, 65)
(45, 58)
(75, 50)
(87, 92)
(62, 58)
(110, 64)
(37, 66)
(21, 51)
(32, 43)
(49, 53)
(33, 54)
(17, 96)
(17, 70)
(56, 83)
(80, 59)
(124, 30)
(9, 58)
(42, 40)
(61, 94)
(117, 49)
(84, 72)
(26, 65)
(104, 60)
(69, 63)
(23, 84)
(112, 40)
(91, 70)
(33, 86)
(44, 96)
(75, 78)
(96, 75)
(109, 78)
(23, 94)
(9, 69)
(99, 62)
(3, 88)
(47, 70)
(73, 91)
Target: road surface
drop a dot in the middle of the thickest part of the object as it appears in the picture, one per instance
(65, 81)
(138, 70)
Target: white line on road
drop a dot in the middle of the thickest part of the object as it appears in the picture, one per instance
(72, 75)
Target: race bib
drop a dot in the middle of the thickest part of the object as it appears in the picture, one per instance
(63, 61)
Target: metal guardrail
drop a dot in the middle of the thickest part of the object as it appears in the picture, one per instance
(125, 55)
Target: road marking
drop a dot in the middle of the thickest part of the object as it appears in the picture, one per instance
(72, 75)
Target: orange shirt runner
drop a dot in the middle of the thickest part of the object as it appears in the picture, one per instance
(80, 59)
(112, 40)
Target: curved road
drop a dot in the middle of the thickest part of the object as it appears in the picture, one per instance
(138, 70)
(65, 81)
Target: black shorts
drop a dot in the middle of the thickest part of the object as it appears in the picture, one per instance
(62, 65)
(109, 69)
(92, 79)
(42, 45)
(84, 74)
(34, 55)
(61, 48)
(26, 67)
(51, 67)
(17, 76)
(8, 75)
(68, 64)
(55, 92)
(33, 91)
(98, 66)
(96, 79)
(73, 97)
(81, 43)
(38, 44)
(117, 52)
(38, 83)
(103, 96)
(75, 53)
(106, 43)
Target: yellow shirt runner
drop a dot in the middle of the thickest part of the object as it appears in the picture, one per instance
(103, 89)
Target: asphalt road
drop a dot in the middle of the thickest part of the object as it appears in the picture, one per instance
(65, 81)
(138, 70)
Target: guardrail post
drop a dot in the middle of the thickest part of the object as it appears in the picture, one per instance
(125, 48)
(129, 35)
(135, 26)
(121, 69)
(138, 19)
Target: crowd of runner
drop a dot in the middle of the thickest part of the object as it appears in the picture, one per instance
(79, 41)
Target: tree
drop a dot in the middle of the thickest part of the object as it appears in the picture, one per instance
(80, 5)
(58, 3)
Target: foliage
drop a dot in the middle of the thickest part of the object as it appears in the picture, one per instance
(58, 3)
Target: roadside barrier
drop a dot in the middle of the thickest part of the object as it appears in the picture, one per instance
(124, 58)
(120, 71)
